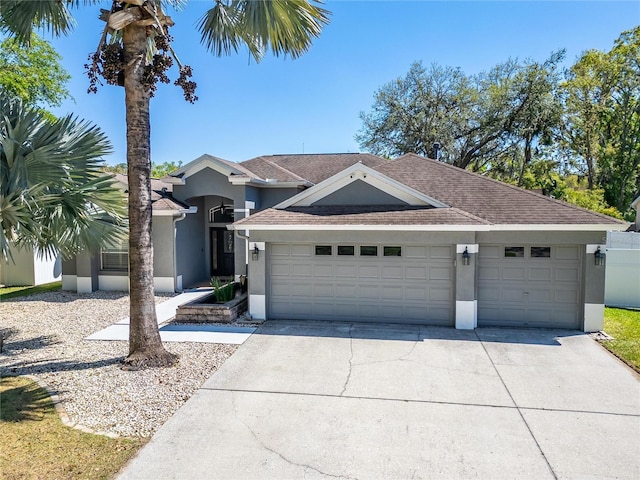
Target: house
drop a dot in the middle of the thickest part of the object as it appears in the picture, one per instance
(29, 267)
(622, 281)
(360, 238)
(414, 240)
(192, 210)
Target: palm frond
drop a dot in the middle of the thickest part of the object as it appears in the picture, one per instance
(18, 18)
(53, 195)
(285, 27)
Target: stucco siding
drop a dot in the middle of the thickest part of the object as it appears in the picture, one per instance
(273, 196)
(163, 241)
(190, 247)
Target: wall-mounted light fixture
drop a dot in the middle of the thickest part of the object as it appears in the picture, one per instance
(255, 253)
(598, 257)
(466, 256)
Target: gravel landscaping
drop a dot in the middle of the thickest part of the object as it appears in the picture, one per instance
(45, 337)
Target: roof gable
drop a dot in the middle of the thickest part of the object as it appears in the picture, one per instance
(219, 165)
(388, 187)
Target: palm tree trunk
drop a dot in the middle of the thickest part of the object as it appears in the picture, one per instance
(145, 346)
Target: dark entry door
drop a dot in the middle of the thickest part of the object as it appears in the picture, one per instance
(222, 248)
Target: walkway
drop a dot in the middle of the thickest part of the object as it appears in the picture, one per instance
(200, 333)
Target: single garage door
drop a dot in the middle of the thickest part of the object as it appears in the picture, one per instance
(369, 283)
(529, 285)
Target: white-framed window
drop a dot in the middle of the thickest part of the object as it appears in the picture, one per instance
(115, 257)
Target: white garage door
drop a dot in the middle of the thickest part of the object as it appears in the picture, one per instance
(529, 285)
(371, 283)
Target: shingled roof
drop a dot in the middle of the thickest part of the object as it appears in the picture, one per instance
(473, 200)
(312, 167)
(161, 194)
(494, 201)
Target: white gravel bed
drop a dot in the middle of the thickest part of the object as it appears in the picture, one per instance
(46, 338)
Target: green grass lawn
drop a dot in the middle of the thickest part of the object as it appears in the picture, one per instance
(12, 292)
(36, 444)
(624, 326)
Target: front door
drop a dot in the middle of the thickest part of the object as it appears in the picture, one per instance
(222, 248)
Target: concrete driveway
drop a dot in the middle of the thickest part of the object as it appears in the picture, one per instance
(356, 401)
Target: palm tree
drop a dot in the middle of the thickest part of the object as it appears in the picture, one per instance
(281, 26)
(53, 195)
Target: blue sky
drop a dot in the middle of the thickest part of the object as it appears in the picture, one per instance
(312, 104)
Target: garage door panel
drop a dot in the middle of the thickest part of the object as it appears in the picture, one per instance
(369, 271)
(567, 253)
(415, 293)
(415, 288)
(392, 293)
(301, 290)
(440, 294)
(346, 271)
(416, 273)
(278, 249)
(440, 273)
(301, 270)
(320, 290)
(345, 291)
(438, 315)
(415, 251)
(390, 272)
(323, 270)
(488, 294)
(541, 274)
(280, 269)
(443, 252)
(303, 250)
(488, 273)
(566, 274)
(369, 292)
(513, 273)
(512, 295)
(540, 295)
(565, 296)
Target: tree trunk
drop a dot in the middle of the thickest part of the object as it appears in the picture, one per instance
(145, 346)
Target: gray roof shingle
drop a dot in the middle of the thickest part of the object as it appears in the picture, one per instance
(494, 201)
(312, 167)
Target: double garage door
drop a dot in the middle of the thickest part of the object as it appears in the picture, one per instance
(370, 283)
(529, 285)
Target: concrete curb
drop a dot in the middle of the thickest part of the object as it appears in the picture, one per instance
(64, 418)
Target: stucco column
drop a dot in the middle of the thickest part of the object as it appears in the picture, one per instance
(257, 281)
(466, 303)
(594, 276)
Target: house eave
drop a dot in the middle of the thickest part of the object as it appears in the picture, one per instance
(436, 228)
(260, 183)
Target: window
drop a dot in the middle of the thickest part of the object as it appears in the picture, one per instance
(514, 252)
(392, 251)
(323, 250)
(368, 251)
(115, 257)
(346, 250)
(540, 252)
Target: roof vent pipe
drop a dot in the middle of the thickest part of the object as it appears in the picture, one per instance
(436, 151)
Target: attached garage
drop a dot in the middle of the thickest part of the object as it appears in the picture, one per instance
(369, 283)
(529, 285)
(418, 241)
